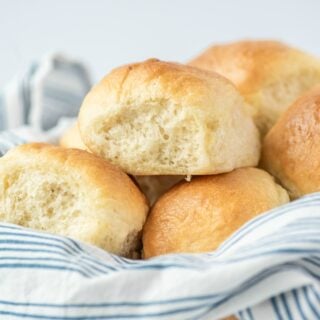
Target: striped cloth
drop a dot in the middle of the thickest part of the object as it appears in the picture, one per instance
(269, 269)
(38, 105)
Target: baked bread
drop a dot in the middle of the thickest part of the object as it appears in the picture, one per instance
(152, 186)
(72, 139)
(198, 216)
(269, 74)
(291, 150)
(161, 118)
(72, 193)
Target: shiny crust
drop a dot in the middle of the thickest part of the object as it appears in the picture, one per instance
(198, 216)
(291, 149)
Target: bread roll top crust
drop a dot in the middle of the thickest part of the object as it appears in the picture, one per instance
(291, 150)
(73, 193)
(198, 216)
(269, 74)
(162, 118)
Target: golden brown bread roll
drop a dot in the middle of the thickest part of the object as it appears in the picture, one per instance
(152, 186)
(72, 139)
(291, 149)
(198, 216)
(73, 193)
(161, 118)
(269, 74)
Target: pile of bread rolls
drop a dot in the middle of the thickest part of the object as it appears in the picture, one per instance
(189, 136)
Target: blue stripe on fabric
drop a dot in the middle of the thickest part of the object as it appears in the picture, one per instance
(229, 261)
(114, 316)
(273, 252)
(316, 294)
(41, 244)
(298, 304)
(41, 266)
(24, 242)
(34, 250)
(26, 92)
(59, 253)
(259, 278)
(65, 241)
(310, 304)
(70, 243)
(285, 304)
(276, 309)
(265, 248)
(163, 265)
(313, 263)
(250, 315)
(251, 282)
(76, 249)
(176, 311)
(244, 286)
(85, 268)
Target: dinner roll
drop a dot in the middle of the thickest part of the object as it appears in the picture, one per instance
(152, 186)
(269, 74)
(72, 193)
(72, 139)
(198, 216)
(162, 118)
(291, 150)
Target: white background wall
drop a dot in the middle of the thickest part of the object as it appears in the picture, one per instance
(112, 32)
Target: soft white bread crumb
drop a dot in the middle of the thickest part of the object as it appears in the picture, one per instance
(73, 193)
(160, 118)
(152, 186)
